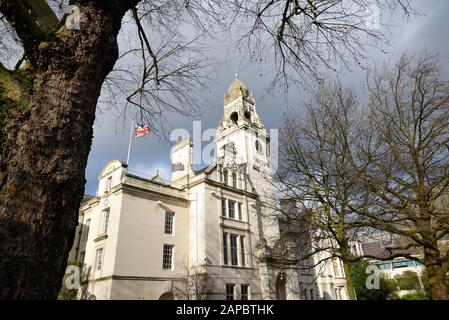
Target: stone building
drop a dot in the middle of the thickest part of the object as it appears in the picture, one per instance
(141, 238)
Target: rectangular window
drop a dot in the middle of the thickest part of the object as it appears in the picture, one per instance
(104, 229)
(167, 258)
(240, 211)
(223, 207)
(338, 294)
(225, 248)
(336, 267)
(226, 178)
(384, 266)
(411, 263)
(109, 185)
(311, 294)
(87, 229)
(242, 250)
(99, 259)
(400, 264)
(234, 251)
(244, 291)
(231, 209)
(304, 266)
(230, 291)
(82, 256)
(169, 217)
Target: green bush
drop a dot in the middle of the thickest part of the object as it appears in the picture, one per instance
(409, 280)
(415, 296)
(387, 287)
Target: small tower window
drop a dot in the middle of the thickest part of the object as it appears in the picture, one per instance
(259, 147)
(108, 185)
(248, 115)
(225, 177)
(234, 117)
(234, 180)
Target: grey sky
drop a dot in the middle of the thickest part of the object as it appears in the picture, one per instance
(429, 31)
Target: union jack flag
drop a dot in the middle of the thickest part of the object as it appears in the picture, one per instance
(141, 130)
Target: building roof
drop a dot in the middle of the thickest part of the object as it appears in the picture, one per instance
(380, 249)
(237, 88)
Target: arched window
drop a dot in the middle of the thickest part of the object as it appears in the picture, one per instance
(225, 177)
(234, 180)
(167, 296)
(259, 147)
(234, 117)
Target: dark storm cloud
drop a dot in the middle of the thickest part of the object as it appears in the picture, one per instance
(425, 31)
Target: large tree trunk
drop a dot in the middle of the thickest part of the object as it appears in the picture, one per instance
(44, 154)
(349, 282)
(436, 274)
(345, 254)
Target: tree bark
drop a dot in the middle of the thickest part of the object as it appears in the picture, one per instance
(349, 282)
(44, 152)
(436, 274)
(344, 252)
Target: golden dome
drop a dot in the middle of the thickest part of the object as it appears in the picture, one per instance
(237, 88)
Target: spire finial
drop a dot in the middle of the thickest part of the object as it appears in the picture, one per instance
(236, 76)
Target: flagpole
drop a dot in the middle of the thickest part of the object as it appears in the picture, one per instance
(130, 141)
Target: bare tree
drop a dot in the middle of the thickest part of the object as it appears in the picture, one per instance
(49, 93)
(405, 152)
(306, 37)
(316, 177)
(195, 284)
(383, 167)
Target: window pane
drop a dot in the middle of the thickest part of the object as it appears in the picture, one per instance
(231, 209)
(223, 207)
(109, 184)
(234, 256)
(82, 256)
(230, 291)
(99, 259)
(240, 211)
(87, 226)
(105, 221)
(167, 259)
(225, 177)
(400, 264)
(384, 266)
(244, 289)
(234, 180)
(225, 248)
(169, 216)
(242, 250)
(336, 268)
